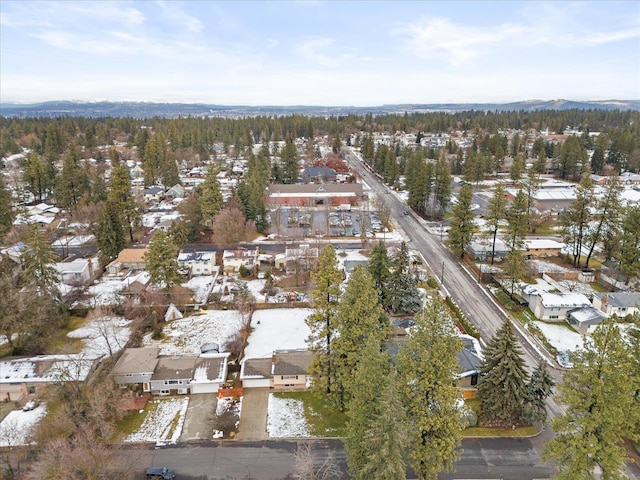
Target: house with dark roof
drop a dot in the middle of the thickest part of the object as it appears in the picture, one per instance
(135, 367)
(469, 361)
(309, 195)
(320, 174)
(285, 370)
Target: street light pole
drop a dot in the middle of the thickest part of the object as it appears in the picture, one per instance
(442, 274)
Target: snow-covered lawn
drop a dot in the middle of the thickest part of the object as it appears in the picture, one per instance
(17, 426)
(159, 425)
(560, 336)
(186, 335)
(542, 266)
(285, 418)
(103, 335)
(200, 287)
(105, 292)
(277, 329)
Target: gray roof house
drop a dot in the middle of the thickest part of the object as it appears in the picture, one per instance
(584, 318)
(620, 304)
(173, 375)
(136, 366)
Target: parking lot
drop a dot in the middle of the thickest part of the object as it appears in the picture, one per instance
(325, 222)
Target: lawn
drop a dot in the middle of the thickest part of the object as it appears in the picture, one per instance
(59, 342)
(323, 420)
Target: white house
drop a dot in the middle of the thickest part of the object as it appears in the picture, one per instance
(78, 272)
(232, 260)
(198, 263)
(554, 306)
(620, 304)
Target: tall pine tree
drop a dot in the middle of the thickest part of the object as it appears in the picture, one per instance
(502, 388)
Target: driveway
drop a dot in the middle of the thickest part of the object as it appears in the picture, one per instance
(253, 417)
(198, 421)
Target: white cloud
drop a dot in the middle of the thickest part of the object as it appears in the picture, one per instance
(315, 51)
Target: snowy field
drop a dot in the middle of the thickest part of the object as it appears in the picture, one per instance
(17, 426)
(277, 329)
(541, 266)
(285, 418)
(186, 335)
(105, 292)
(103, 336)
(158, 425)
(561, 337)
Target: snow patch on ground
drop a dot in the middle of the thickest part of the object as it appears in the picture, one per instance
(200, 287)
(223, 405)
(561, 337)
(158, 426)
(105, 292)
(541, 266)
(285, 418)
(277, 329)
(103, 335)
(186, 335)
(17, 427)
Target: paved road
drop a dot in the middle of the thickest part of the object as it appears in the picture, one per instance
(275, 460)
(473, 299)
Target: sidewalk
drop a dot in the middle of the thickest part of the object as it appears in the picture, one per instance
(253, 417)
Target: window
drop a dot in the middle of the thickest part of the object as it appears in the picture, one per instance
(474, 379)
(288, 377)
(172, 382)
(553, 317)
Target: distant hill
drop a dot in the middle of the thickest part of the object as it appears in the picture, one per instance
(171, 110)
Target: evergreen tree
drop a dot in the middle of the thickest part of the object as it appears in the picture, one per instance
(209, 196)
(442, 183)
(598, 159)
(6, 209)
(379, 266)
(575, 219)
(496, 214)
(369, 380)
(191, 215)
(427, 371)
(169, 173)
(289, 162)
(517, 168)
(368, 150)
(161, 261)
(461, 226)
(601, 408)
(359, 317)
(38, 259)
(109, 234)
(72, 182)
(514, 268)
(120, 195)
(629, 255)
(400, 291)
(325, 296)
(608, 208)
(502, 388)
(337, 145)
(539, 388)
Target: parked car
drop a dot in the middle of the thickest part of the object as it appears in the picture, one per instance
(160, 473)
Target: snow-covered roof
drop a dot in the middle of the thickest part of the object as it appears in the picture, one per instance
(564, 300)
(543, 244)
(210, 367)
(47, 368)
(585, 315)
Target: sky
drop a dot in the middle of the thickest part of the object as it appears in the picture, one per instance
(333, 53)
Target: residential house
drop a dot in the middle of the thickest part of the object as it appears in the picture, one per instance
(198, 263)
(128, 260)
(137, 283)
(135, 367)
(555, 306)
(481, 249)
(177, 191)
(153, 194)
(285, 370)
(620, 304)
(542, 247)
(232, 260)
(136, 172)
(173, 375)
(302, 258)
(77, 272)
(22, 377)
(210, 373)
(320, 174)
(585, 318)
(469, 361)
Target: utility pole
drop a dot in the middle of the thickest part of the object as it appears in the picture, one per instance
(442, 274)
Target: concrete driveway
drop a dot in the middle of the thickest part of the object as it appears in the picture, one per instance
(198, 421)
(253, 417)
